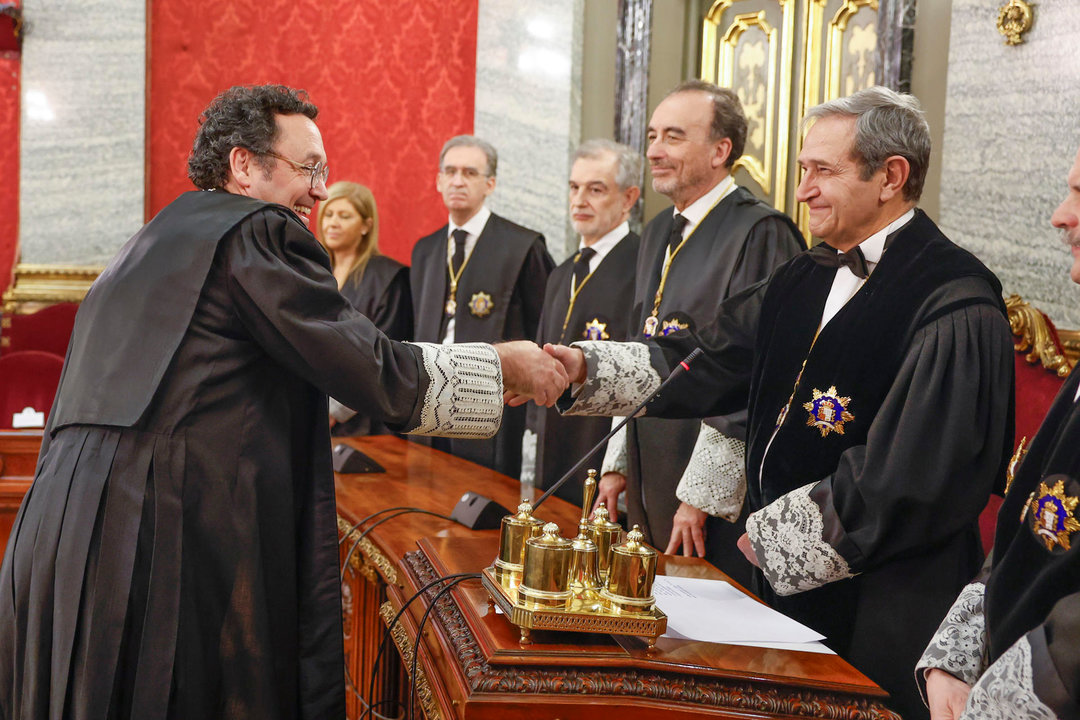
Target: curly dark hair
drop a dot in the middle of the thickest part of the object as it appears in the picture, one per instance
(242, 116)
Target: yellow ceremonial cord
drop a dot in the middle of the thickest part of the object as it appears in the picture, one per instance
(451, 298)
(670, 254)
(573, 297)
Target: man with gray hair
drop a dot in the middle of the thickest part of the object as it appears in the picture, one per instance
(879, 371)
(588, 297)
(479, 278)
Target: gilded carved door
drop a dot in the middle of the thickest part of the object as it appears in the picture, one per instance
(782, 57)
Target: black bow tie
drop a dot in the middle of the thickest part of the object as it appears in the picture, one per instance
(827, 256)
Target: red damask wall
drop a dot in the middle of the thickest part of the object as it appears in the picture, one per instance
(393, 80)
(9, 163)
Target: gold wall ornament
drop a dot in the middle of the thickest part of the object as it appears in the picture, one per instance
(1013, 20)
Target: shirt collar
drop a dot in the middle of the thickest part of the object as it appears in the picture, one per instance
(873, 246)
(474, 225)
(604, 245)
(696, 211)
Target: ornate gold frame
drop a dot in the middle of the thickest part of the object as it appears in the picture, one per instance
(720, 69)
(833, 53)
(36, 286)
(1034, 335)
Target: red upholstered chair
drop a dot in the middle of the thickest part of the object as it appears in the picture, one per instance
(27, 379)
(1042, 364)
(48, 330)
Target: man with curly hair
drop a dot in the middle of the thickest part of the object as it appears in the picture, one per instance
(176, 556)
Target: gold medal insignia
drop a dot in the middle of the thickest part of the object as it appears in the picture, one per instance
(481, 304)
(451, 307)
(596, 330)
(828, 411)
(1052, 515)
(673, 325)
(651, 324)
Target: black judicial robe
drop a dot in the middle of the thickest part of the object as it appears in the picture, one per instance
(899, 492)
(510, 264)
(382, 294)
(1034, 585)
(176, 555)
(736, 245)
(602, 305)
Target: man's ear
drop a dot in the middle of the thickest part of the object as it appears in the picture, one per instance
(897, 170)
(242, 165)
(630, 196)
(721, 152)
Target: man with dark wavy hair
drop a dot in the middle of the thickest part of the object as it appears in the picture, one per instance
(176, 556)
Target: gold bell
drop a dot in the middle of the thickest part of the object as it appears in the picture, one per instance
(630, 581)
(513, 532)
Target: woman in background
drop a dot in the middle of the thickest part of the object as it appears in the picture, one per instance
(375, 284)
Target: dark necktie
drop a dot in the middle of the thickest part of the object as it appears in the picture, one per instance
(675, 236)
(459, 250)
(827, 256)
(581, 266)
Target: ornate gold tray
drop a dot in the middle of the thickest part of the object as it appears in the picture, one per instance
(649, 625)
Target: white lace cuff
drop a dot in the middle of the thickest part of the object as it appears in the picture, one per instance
(528, 458)
(1006, 691)
(464, 397)
(340, 412)
(620, 377)
(715, 479)
(615, 454)
(960, 641)
(786, 536)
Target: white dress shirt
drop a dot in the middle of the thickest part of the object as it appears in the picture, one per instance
(473, 226)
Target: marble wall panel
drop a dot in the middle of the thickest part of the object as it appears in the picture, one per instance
(528, 105)
(82, 161)
(1011, 133)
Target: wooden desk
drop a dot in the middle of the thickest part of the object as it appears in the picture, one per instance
(18, 458)
(472, 665)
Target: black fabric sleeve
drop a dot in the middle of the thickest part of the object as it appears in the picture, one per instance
(285, 296)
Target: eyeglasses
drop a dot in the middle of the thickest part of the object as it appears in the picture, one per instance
(318, 172)
(469, 173)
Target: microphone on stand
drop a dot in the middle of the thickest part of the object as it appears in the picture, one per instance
(480, 513)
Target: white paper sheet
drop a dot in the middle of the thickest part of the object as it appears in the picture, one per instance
(714, 611)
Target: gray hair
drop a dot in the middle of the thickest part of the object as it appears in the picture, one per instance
(887, 123)
(728, 120)
(628, 162)
(472, 141)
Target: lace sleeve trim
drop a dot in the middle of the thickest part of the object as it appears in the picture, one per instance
(464, 395)
(620, 377)
(786, 536)
(1006, 690)
(715, 479)
(959, 644)
(615, 455)
(528, 458)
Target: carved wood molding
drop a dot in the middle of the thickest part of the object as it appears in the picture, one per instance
(719, 694)
(404, 646)
(1037, 339)
(36, 286)
(373, 557)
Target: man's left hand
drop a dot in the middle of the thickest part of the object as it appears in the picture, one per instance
(748, 550)
(688, 532)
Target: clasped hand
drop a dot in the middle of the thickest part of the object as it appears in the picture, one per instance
(530, 373)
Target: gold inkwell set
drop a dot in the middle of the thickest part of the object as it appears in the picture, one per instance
(594, 582)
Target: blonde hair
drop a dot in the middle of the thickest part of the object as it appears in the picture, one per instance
(363, 201)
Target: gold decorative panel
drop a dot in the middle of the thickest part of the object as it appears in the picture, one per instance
(752, 54)
(852, 43)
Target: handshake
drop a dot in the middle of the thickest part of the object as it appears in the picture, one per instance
(538, 374)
